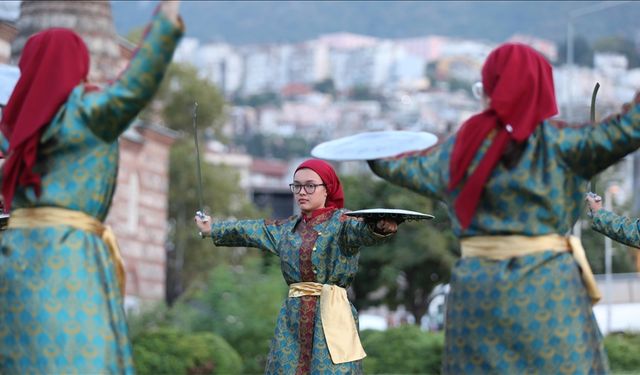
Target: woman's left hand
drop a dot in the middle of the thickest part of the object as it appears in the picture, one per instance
(594, 201)
(386, 226)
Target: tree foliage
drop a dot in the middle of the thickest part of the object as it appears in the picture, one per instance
(402, 350)
(417, 259)
(169, 351)
(272, 146)
(175, 99)
(326, 86)
(239, 303)
(259, 100)
(191, 257)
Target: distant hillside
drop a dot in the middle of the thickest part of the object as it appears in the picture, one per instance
(242, 22)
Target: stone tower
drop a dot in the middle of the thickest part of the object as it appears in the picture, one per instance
(92, 20)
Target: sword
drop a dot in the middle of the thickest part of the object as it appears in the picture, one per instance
(593, 119)
(200, 211)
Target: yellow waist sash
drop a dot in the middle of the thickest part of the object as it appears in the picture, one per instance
(338, 323)
(52, 216)
(504, 247)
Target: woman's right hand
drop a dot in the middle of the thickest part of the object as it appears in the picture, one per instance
(204, 223)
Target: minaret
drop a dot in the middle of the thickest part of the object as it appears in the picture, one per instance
(92, 20)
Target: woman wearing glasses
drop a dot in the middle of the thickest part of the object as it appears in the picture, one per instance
(316, 330)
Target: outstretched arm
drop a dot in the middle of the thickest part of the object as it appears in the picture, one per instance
(422, 172)
(618, 228)
(261, 234)
(110, 111)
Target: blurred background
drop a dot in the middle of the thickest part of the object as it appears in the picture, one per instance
(272, 80)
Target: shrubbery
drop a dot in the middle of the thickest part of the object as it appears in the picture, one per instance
(408, 350)
(168, 351)
(624, 352)
(402, 350)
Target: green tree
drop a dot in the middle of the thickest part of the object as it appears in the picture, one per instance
(417, 259)
(190, 257)
(403, 350)
(325, 86)
(272, 146)
(239, 303)
(361, 92)
(258, 100)
(175, 99)
(169, 351)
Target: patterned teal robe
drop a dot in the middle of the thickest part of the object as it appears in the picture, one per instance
(324, 250)
(529, 314)
(60, 306)
(618, 228)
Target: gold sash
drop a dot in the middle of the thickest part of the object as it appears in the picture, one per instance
(338, 323)
(504, 247)
(52, 216)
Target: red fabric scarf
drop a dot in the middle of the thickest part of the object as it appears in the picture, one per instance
(519, 82)
(53, 62)
(335, 195)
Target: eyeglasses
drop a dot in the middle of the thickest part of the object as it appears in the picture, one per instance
(308, 188)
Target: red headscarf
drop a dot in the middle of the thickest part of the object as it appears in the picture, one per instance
(53, 62)
(519, 82)
(335, 195)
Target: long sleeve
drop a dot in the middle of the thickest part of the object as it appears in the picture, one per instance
(260, 234)
(355, 234)
(589, 150)
(108, 112)
(618, 228)
(422, 172)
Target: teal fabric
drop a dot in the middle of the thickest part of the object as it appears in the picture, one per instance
(528, 314)
(331, 242)
(619, 228)
(60, 305)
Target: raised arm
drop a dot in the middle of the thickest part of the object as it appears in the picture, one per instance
(110, 111)
(618, 228)
(590, 149)
(423, 172)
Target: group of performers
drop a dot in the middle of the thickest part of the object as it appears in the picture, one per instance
(514, 181)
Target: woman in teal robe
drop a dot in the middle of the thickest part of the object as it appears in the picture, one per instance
(319, 246)
(529, 313)
(61, 309)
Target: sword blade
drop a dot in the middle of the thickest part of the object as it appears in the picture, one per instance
(592, 117)
(198, 170)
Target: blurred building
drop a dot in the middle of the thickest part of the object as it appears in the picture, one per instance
(8, 32)
(139, 211)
